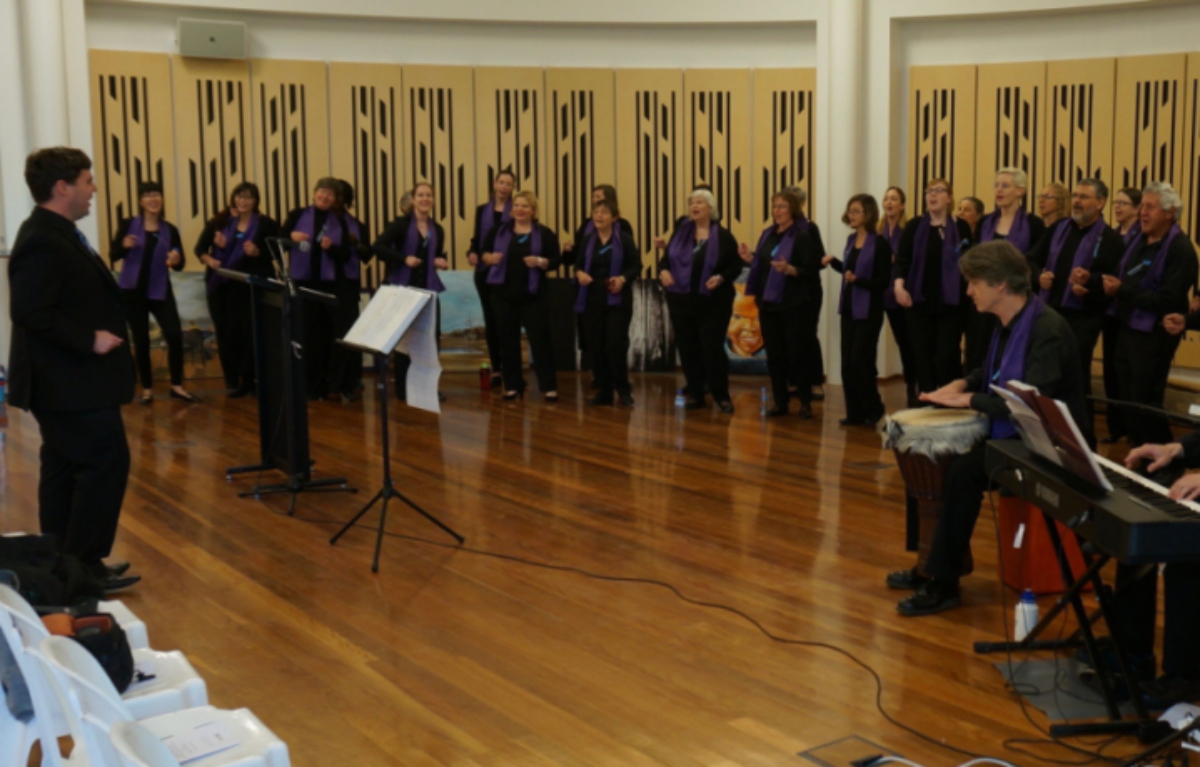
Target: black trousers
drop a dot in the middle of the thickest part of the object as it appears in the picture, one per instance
(229, 307)
(898, 320)
(138, 309)
(345, 364)
(815, 344)
(85, 467)
(402, 362)
(1086, 328)
(860, 374)
(786, 338)
(936, 332)
(533, 314)
(1136, 603)
(966, 482)
(701, 324)
(1143, 365)
(606, 330)
(1114, 417)
(491, 328)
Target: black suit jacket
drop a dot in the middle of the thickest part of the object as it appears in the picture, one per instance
(61, 294)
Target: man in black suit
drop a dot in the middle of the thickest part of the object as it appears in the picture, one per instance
(70, 363)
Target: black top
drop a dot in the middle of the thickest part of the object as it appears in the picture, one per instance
(877, 282)
(340, 252)
(1107, 259)
(805, 286)
(390, 243)
(569, 256)
(932, 285)
(61, 294)
(516, 273)
(1179, 275)
(1037, 228)
(262, 264)
(118, 251)
(631, 267)
(728, 268)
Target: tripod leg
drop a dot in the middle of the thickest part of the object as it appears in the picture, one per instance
(355, 519)
(379, 537)
(429, 516)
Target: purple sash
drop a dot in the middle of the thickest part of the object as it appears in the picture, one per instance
(157, 289)
(614, 269)
(402, 275)
(1018, 233)
(1085, 254)
(860, 299)
(231, 255)
(951, 253)
(504, 237)
(488, 222)
(893, 238)
(300, 262)
(773, 291)
(1011, 367)
(1134, 232)
(680, 252)
(1144, 319)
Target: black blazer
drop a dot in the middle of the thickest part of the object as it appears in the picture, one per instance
(62, 293)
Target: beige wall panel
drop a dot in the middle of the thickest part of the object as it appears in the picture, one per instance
(717, 124)
(1010, 126)
(581, 144)
(650, 153)
(291, 131)
(132, 134)
(510, 130)
(366, 147)
(1079, 122)
(439, 147)
(941, 131)
(213, 145)
(1149, 134)
(784, 124)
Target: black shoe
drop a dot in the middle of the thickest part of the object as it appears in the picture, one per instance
(1143, 669)
(600, 398)
(146, 399)
(116, 583)
(818, 393)
(777, 411)
(805, 413)
(1170, 689)
(725, 406)
(551, 398)
(625, 399)
(185, 396)
(117, 568)
(441, 397)
(933, 597)
(695, 404)
(906, 580)
(497, 380)
(402, 395)
(241, 391)
(512, 395)
(593, 384)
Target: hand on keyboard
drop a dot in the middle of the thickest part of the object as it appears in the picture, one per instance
(1187, 488)
(1159, 456)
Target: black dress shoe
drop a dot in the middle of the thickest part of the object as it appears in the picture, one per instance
(351, 396)
(695, 404)
(146, 399)
(117, 568)
(818, 393)
(725, 406)
(402, 396)
(933, 597)
(512, 395)
(441, 397)
(906, 580)
(241, 391)
(600, 398)
(805, 413)
(777, 411)
(116, 583)
(497, 380)
(185, 396)
(625, 399)
(1170, 689)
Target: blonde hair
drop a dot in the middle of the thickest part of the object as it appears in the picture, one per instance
(903, 210)
(529, 197)
(1061, 196)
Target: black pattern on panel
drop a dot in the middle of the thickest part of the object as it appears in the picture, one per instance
(1018, 122)
(431, 113)
(711, 142)
(1072, 135)
(934, 126)
(286, 184)
(221, 161)
(791, 161)
(376, 179)
(658, 157)
(573, 162)
(518, 130)
(1155, 138)
(126, 157)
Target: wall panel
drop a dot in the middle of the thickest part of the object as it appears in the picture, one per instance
(439, 147)
(784, 124)
(1148, 130)
(132, 133)
(941, 129)
(510, 128)
(1079, 121)
(1010, 125)
(718, 138)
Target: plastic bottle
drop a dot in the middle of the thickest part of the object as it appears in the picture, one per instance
(1026, 616)
(485, 377)
(680, 402)
(762, 405)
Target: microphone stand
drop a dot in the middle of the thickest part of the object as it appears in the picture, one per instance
(1183, 418)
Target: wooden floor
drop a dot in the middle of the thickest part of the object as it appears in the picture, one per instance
(452, 658)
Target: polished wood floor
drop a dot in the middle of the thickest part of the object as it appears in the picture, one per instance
(452, 658)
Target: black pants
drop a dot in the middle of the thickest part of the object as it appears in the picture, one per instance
(533, 314)
(491, 328)
(345, 364)
(138, 309)
(966, 482)
(936, 332)
(786, 338)
(606, 330)
(402, 362)
(85, 467)
(1136, 603)
(1114, 417)
(815, 343)
(701, 324)
(229, 307)
(898, 320)
(1086, 328)
(860, 374)
(1143, 365)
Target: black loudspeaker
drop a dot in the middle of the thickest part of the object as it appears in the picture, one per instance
(561, 293)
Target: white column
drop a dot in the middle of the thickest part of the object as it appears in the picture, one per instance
(45, 72)
(13, 137)
(78, 94)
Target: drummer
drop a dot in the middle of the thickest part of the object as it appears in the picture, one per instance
(1032, 343)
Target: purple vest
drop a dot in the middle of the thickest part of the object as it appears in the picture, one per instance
(1011, 365)
(680, 252)
(614, 269)
(773, 290)
(951, 253)
(159, 279)
(1144, 319)
(504, 237)
(1085, 254)
(300, 262)
(860, 300)
(402, 275)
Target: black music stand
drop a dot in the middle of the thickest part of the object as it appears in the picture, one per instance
(382, 353)
(277, 313)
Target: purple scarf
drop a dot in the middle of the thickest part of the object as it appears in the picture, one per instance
(487, 223)
(300, 262)
(159, 281)
(402, 275)
(614, 269)
(773, 291)
(1144, 319)
(1134, 232)
(504, 237)
(680, 252)
(893, 238)
(231, 255)
(1011, 367)
(1085, 254)
(1018, 233)
(860, 300)
(951, 253)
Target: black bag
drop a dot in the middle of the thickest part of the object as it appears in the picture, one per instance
(46, 576)
(104, 638)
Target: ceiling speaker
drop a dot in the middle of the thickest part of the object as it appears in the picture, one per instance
(212, 39)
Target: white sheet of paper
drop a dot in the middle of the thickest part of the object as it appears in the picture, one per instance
(387, 317)
(425, 370)
(1029, 424)
(203, 740)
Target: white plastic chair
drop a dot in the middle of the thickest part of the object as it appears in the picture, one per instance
(16, 737)
(93, 702)
(175, 685)
(138, 747)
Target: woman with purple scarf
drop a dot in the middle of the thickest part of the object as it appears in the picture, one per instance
(866, 270)
(488, 216)
(698, 270)
(518, 253)
(1127, 207)
(414, 248)
(609, 263)
(891, 226)
(150, 247)
(236, 238)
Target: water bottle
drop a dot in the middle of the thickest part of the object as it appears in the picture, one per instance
(485, 377)
(680, 402)
(1027, 615)
(762, 404)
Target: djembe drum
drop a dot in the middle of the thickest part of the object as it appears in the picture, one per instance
(925, 441)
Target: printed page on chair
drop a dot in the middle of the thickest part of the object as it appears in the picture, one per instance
(200, 741)
(388, 315)
(425, 370)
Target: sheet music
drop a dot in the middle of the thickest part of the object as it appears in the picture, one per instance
(387, 317)
(425, 370)
(1029, 425)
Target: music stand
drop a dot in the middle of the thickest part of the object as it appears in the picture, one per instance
(380, 342)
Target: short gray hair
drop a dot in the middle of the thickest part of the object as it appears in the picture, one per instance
(800, 192)
(1098, 186)
(1168, 199)
(1019, 177)
(997, 262)
(707, 196)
